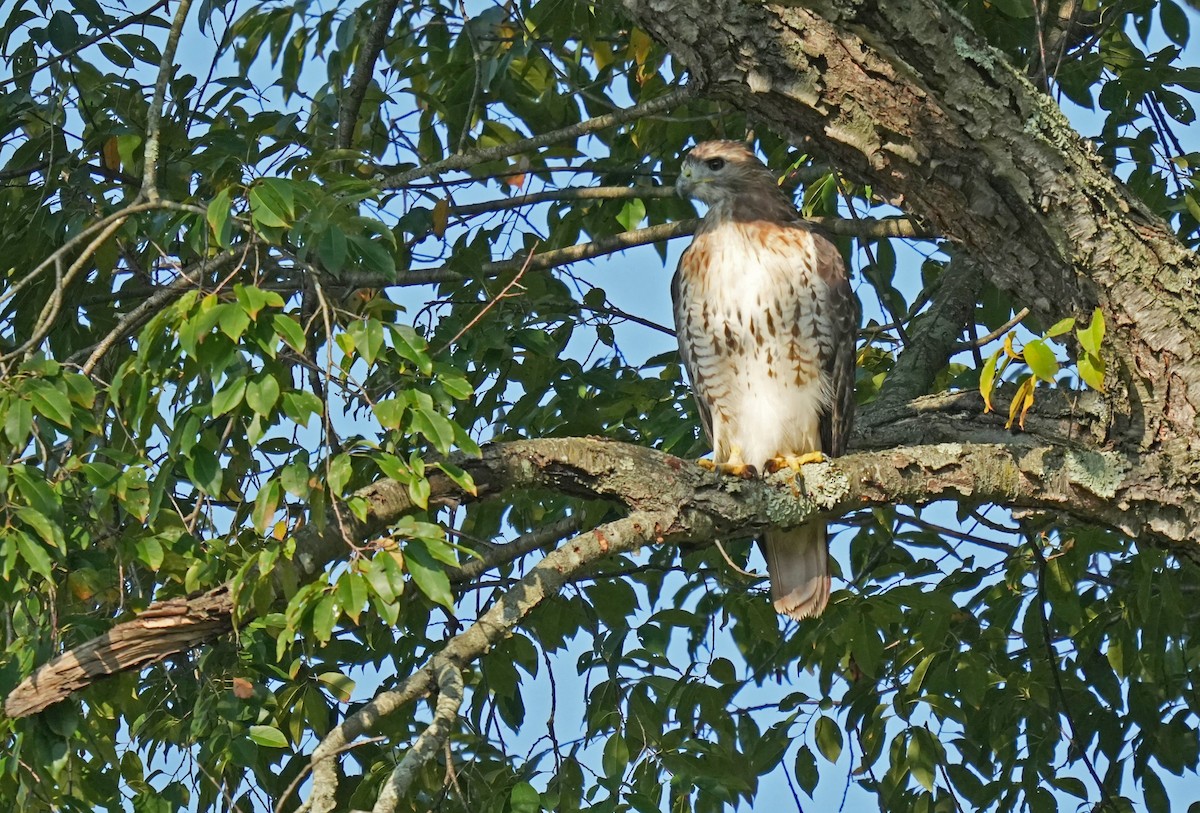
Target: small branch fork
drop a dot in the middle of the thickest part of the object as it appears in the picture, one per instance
(545, 579)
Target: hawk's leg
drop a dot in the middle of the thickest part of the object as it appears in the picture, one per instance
(793, 464)
(734, 465)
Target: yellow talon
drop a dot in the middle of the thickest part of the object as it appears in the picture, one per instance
(794, 463)
(734, 466)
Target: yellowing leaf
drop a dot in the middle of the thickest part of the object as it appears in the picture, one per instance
(441, 216)
(1021, 403)
(110, 154)
(987, 380)
(1091, 370)
(1009, 350)
(639, 45)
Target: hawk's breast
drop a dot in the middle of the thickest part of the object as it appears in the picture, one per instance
(751, 316)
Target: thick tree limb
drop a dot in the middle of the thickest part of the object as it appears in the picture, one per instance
(903, 95)
(933, 339)
(1142, 497)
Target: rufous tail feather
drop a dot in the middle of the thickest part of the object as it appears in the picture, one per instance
(798, 561)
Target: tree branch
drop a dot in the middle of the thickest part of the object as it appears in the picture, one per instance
(934, 341)
(545, 579)
(866, 228)
(154, 115)
(1138, 496)
(363, 70)
(450, 697)
(467, 160)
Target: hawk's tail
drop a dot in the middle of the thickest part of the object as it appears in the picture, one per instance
(798, 561)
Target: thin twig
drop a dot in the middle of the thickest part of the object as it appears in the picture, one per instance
(49, 314)
(1055, 667)
(525, 543)
(728, 561)
(154, 115)
(569, 193)
(995, 334)
(461, 161)
(491, 303)
(863, 227)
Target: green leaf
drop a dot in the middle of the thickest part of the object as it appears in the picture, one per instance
(266, 208)
(288, 329)
(34, 554)
(1041, 360)
(412, 347)
(430, 577)
(340, 471)
(436, 428)
(390, 412)
(150, 551)
(342, 686)
(632, 214)
(218, 216)
(524, 799)
(49, 533)
(325, 616)
(1091, 370)
(368, 338)
(1154, 793)
(615, 757)
(1092, 336)
(1060, 327)
(461, 478)
(829, 738)
(805, 769)
(50, 403)
(229, 398)
(63, 31)
(268, 736)
(262, 393)
(331, 248)
(18, 422)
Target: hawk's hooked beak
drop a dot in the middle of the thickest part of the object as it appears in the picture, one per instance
(685, 184)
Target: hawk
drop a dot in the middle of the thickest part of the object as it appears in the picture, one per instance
(767, 323)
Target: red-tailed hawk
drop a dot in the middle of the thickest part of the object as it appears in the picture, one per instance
(767, 323)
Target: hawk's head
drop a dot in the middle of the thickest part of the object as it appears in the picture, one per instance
(726, 173)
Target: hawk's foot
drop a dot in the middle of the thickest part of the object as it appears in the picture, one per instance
(735, 466)
(794, 463)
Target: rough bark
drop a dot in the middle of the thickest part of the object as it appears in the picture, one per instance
(903, 95)
(924, 458)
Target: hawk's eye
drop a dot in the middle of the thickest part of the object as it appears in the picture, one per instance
(715, 163)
